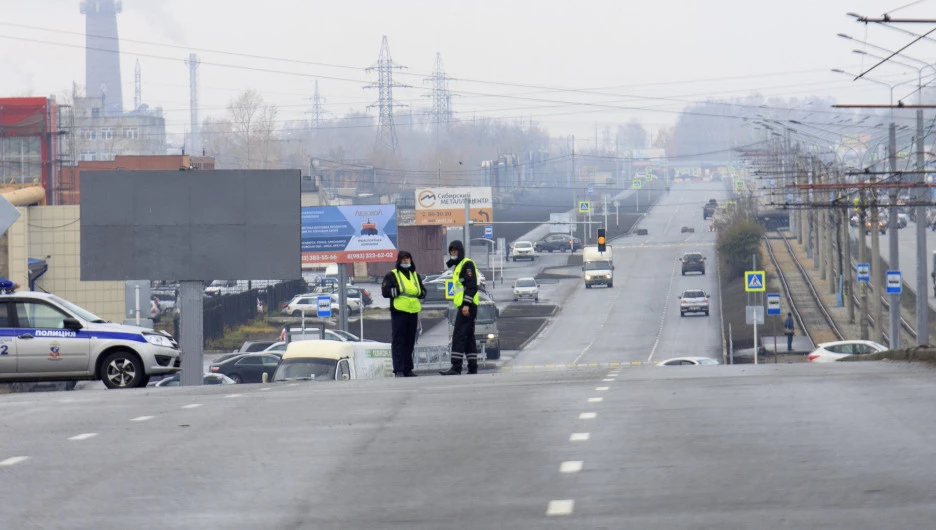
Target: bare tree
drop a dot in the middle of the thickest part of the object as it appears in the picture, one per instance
(253, 127)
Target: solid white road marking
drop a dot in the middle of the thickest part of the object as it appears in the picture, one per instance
(12, 461)
(571, 466)
(669, 291)
(600, 388)
(588, 416)
(192, 406)
(84, 436)
(595, 400)
(141, 418)
(579, 437)
(563, 507)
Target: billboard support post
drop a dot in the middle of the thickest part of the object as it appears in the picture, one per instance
(467, 227)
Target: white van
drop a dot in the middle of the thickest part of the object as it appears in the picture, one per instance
(327, 360)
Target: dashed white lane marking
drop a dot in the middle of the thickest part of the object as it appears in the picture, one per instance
(579, 437)
(141, 418)
(67, 400)
(595, 400)
(12, 461)
(85, 436)
(571, 466)
(563, 507)
(608, 380)
(192, 406)
(265, 389)
(601, 388)
(588, 416)
(612, 376)
(233, 395)
(669, 290)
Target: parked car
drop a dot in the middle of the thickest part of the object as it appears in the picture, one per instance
(828, 352)
(209, 379)
(308, 303)
(693, 262)
(52, 339)
(248, 368)
(522, 250)
(352, 292)
(252, 346)
(557, 243)
(526, 288)
(693, 301)
(447, 275)
(688, 361)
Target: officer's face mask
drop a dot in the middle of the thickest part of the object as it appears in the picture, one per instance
(404, 265)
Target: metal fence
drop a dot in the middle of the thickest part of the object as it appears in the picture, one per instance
(226, 311)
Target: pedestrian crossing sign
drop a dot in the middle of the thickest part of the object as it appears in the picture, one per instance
(754, 281)
(449, 289)
(584, 206)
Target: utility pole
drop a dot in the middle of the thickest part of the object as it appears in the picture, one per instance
(877, 278)
(893, 254)
(386, 132)
(862, 258)
(193, 63)
(922, 290)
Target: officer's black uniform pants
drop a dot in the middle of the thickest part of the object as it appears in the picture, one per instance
(463, 337)
(403, 329)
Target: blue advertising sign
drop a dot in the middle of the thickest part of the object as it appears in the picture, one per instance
(348, 234)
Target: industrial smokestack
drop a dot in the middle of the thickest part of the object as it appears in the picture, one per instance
(102, 53)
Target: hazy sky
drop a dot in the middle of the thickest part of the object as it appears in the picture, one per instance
(508, 58)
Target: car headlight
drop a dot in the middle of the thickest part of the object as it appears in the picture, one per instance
(588, 277)
(491, 336)
(158, 340)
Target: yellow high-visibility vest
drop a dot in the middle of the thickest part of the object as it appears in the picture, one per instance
(459, 287)
(408, 298)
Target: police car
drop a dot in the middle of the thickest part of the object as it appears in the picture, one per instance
(46, 338)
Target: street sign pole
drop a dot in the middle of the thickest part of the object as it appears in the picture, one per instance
(467, 227)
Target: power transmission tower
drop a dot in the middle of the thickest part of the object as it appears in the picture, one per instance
(193, 63)
(386, 134)
(137, 87)
(316, 107)
(441, 111)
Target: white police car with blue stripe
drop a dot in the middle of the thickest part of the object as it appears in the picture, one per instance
(46, 338)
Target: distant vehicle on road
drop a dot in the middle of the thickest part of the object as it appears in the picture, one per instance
(693, 262)
(252, 346)
(557, 243)
(828, 352)
(526, 288)
(523, 250)
(709, 209)
(693, 301)
(688, 361)
(902, 220)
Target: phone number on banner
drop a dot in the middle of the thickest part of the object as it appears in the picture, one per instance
(382, 254)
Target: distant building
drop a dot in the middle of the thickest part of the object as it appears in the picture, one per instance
(71, 175)
(99, 135)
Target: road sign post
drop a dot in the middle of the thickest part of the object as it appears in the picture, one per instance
(894, 282)
(754, 281)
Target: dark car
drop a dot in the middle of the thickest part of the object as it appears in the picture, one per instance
(708, 210)
(247, 368)
(557, 242)
(693, 262)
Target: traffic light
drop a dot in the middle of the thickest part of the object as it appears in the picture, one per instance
(601, 240)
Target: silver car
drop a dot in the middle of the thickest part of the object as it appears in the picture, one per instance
(693, 301)
(46, 338)
(526, 288)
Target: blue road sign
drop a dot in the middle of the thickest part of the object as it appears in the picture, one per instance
(894, 282)
(773, 304)
(323, 302)
(754, 281)
(449, 289)
(863, 271)
(591, 189)
(584, 206)
(489, 232)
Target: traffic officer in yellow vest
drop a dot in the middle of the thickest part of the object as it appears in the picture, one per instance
(404, 288)
(466, 307)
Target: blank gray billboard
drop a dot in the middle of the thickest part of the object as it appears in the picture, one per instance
(190, 225)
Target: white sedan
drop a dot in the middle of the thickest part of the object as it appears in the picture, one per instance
(828, 352)
(526, 288)
(688, 361)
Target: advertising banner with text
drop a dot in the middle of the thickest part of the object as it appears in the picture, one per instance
(348, 234)
(446, 206)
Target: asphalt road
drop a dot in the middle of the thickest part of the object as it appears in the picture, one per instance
(638, 319)
(787, 446)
